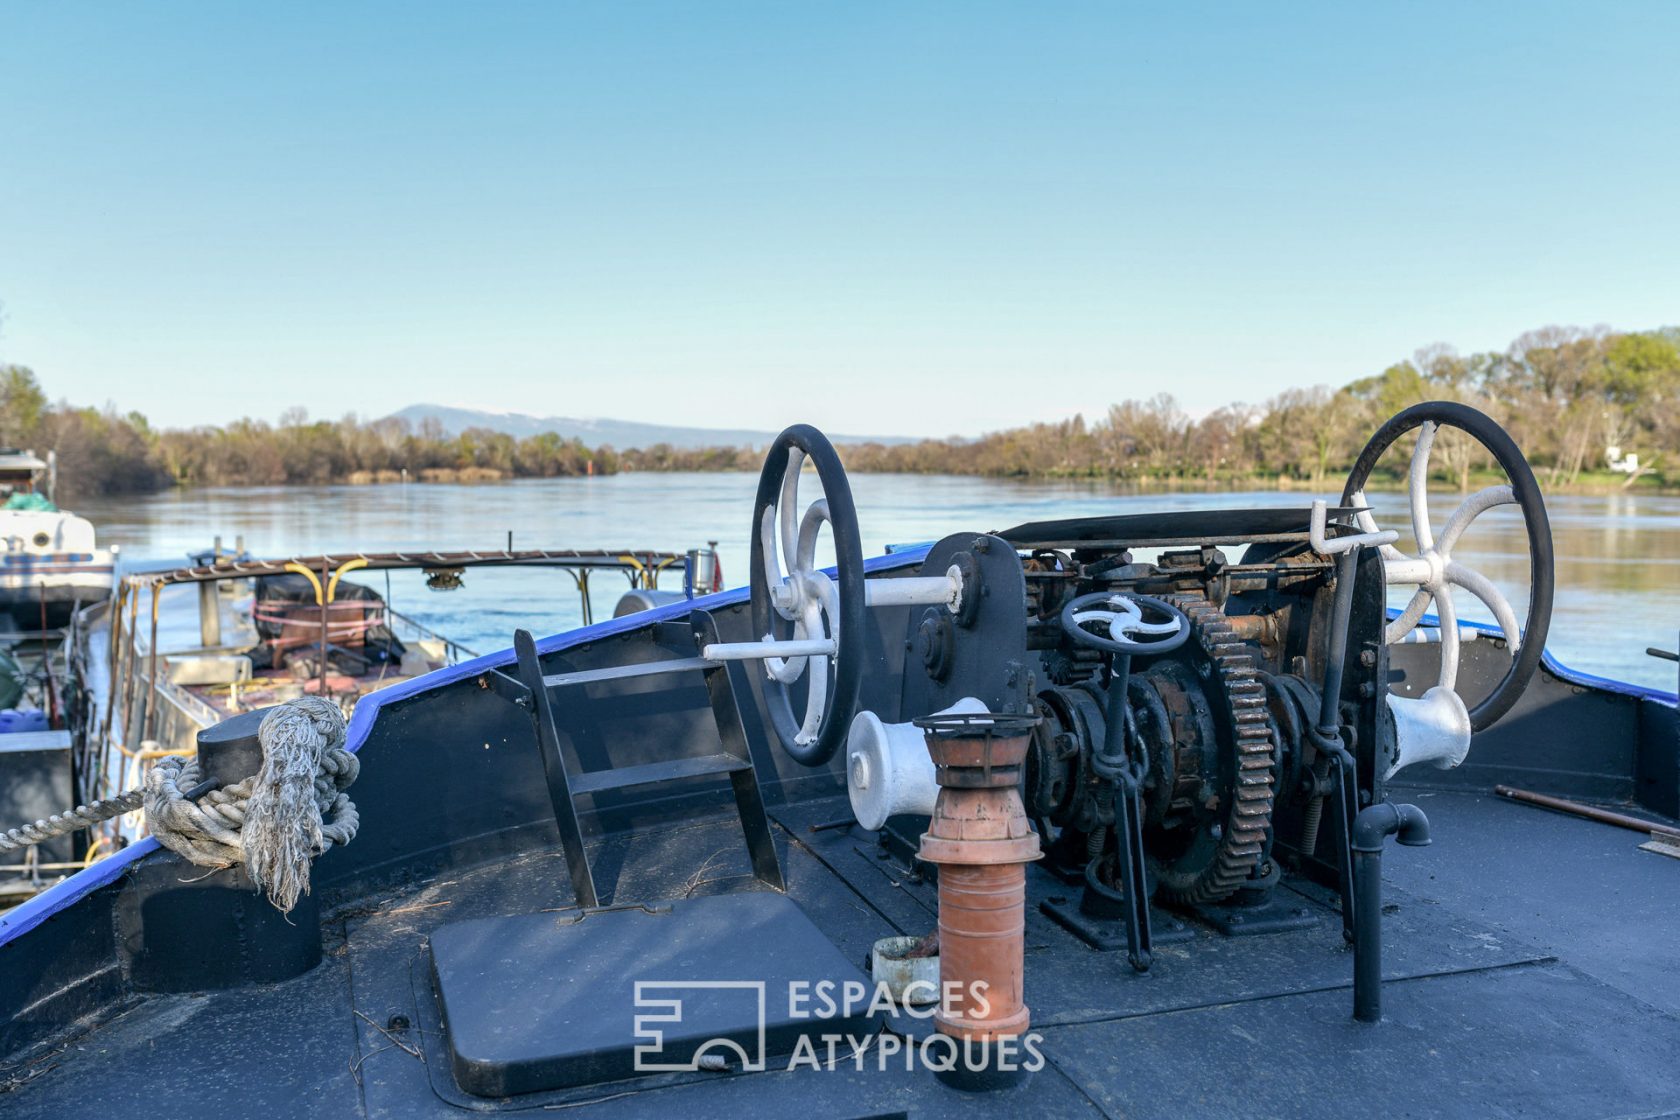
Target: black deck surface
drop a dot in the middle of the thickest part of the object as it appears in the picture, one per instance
(1580, 889)
(1534, 968)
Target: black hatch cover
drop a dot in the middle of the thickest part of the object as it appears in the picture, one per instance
(548, 1001)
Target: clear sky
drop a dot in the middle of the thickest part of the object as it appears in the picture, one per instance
(882, 218)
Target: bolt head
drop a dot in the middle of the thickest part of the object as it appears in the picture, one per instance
(860, 771)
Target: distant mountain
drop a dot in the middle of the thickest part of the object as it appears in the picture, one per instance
(620, 434)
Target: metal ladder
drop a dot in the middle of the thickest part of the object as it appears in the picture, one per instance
(728, 689)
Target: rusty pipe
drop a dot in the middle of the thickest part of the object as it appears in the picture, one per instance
(981, 840)
(982, 920)
(1590, 812)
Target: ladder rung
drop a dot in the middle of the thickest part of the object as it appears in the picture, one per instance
(625, 672)
(651, 772)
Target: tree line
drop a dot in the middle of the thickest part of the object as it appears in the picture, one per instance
(1565, 394)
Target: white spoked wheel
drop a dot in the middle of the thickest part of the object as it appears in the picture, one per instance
(1434, 571)
(809, 624)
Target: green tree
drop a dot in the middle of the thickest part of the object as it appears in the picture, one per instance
(22, 404)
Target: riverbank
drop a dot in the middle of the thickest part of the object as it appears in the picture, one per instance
(1596, 483)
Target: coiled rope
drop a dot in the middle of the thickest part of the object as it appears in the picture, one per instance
(274, 822)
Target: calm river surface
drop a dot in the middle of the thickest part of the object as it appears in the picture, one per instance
(1618, 588)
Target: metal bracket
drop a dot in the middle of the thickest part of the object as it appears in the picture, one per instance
(493, 680)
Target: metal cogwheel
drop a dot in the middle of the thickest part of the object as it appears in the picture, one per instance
(1242, 837)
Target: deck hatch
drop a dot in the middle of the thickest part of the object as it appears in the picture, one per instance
(545, 1001)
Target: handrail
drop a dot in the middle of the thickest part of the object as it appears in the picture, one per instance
(634, 561)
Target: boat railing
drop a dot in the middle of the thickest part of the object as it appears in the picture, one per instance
(145, 715)
(403, 625)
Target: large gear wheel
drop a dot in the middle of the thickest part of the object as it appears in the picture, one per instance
(1216, 845)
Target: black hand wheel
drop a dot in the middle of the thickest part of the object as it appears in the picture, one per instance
(1435, 572)
(803, 604)
(1124, 623)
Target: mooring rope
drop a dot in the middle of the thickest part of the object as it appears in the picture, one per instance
(82, 816)
(274, 822)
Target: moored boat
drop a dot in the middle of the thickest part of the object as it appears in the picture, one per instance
(51, 565)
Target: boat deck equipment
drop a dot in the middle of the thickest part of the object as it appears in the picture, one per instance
(1128, 780)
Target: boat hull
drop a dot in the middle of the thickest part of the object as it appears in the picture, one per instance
(43, 591)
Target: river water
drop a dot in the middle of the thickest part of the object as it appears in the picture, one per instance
(1618, 557)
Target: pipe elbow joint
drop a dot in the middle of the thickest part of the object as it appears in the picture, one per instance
(1376, 823)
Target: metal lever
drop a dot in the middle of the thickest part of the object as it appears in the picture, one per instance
(1332, 546)
(1134, 871)
(1327, 736)
(1112, 763)
(1346, 794)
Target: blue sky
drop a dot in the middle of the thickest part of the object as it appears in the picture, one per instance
(917, 219)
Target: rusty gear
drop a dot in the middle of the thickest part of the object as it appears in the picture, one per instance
(1231, 827)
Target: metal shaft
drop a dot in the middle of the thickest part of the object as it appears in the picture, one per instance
(1591, 812)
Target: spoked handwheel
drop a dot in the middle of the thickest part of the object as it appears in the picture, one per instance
(1125, 623)
(1435, 572)
(811, 624)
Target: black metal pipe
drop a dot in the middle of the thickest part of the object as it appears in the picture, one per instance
(1110, 758)
(1330, 700)
(1327, 737)
(1371, 828)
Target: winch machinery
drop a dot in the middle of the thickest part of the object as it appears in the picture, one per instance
(1212, 691)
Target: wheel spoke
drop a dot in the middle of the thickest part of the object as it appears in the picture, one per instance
(1470, 509)
(816, 676)
(1482, 588)
(809, 527)
(786, 670)
(1448, 616)
(829, 596)
(767, 540)
(1367, 523)
(1408, 619)
(1418, 485)
(816, 698)
(788, 507)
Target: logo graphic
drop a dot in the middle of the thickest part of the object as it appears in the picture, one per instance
(665, 998)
